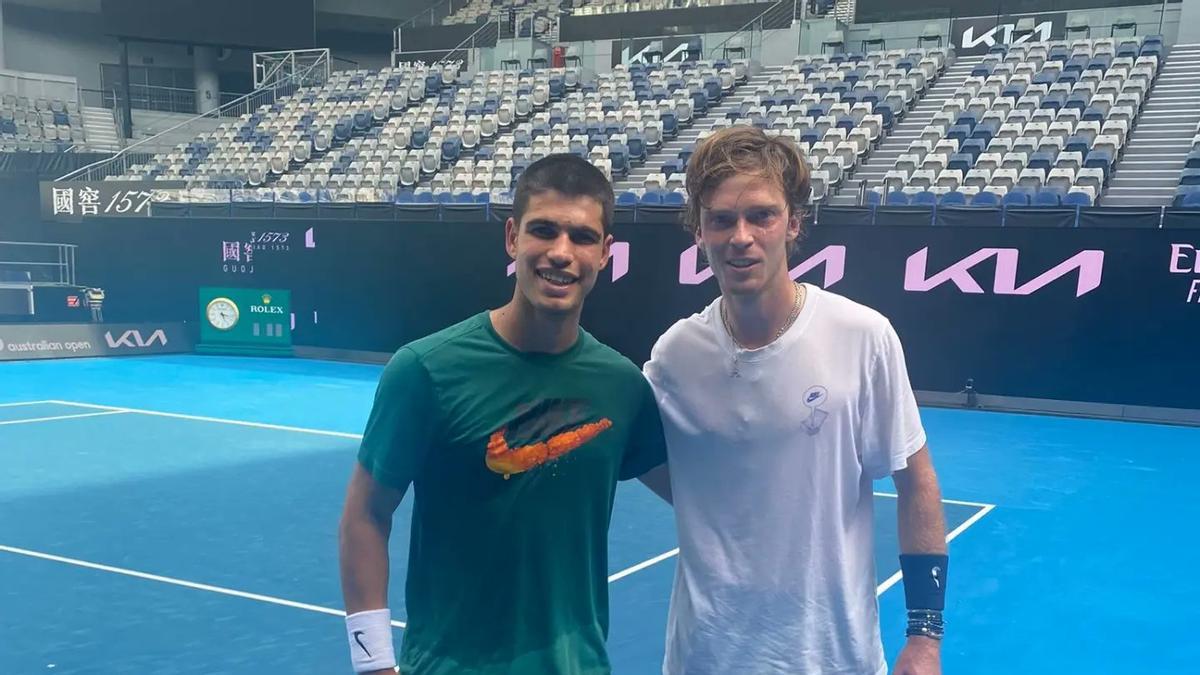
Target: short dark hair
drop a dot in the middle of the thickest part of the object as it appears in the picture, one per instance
(568, 175)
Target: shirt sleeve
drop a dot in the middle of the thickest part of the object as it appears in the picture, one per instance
(647, 448)
(892, 429)
(400, 429)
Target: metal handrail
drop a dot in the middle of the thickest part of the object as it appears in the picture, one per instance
(460, 46)
(749, 24)
(65, 262)
(85, 171)
(411, 21)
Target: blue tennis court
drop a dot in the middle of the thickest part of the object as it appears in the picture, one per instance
(179, 514)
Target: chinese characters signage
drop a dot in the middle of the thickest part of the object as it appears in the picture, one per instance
(75, 200)
(237, 257)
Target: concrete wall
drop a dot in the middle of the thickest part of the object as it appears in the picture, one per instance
(70, 43)
(1189, 22)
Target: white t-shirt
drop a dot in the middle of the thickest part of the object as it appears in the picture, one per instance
(772, 453)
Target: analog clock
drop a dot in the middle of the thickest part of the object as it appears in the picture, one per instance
(222, 313)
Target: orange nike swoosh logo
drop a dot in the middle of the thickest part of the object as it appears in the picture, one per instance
(507, 461)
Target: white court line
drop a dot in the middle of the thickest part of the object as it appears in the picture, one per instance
(956, 502)
(254, 596)
(891, 581)
(179, 582)
(62, 417)
(14, 404)
(986, 508)
(218, 420)
(882, 587)
(643, 565)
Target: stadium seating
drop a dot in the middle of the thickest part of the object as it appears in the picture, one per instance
(1187, 195)
(836, 108)
(619, 6)
(1036, 124)
(373, 135)
(1047, 119)
(481, 10)
(39, 125)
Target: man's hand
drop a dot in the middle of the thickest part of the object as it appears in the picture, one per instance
(921, 656)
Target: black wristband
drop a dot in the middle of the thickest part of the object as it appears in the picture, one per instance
(924, 580)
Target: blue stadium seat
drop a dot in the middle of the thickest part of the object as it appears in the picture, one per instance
(896, 198)
(985, 131)
(674, 199)
(627, 198)
(1191, 200)
(985, 199)
(1043, 78)
(1093, 114)
(1054, 101)
(464, 198)
(1127, 50)
(669, 123)
(959, 132)
(423, 198)
(637, 147)
(1012, 91)
(1190, 177)
(974, 147)
(1042, 159)
(923, 199)
(1047, 197)
(451, 149)
(889, 116)
(953, 198)
(961, 161)
(1076, 199)
(418, 138)
(483, 198)
(1078, 102)
(1100, 159)
(618, 155)
(652, 197)
(443, 197)
(1079, 144)
(1016, 198)
(1193, 160)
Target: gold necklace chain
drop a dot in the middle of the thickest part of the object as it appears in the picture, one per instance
(798, 294)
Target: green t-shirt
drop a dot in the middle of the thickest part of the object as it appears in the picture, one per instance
(514, 460)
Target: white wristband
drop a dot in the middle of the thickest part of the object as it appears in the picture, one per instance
(370, 635)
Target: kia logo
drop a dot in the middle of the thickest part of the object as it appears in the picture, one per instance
(132, 339)
(1089, 263)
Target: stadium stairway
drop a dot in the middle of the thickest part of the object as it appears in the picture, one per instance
(670, 148)
(907, 130)
(1148, 171)
(100, 129)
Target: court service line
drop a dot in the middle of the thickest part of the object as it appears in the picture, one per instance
(62, 417)
(218, 420)
(962, 527)
(179, 582)
(956, 502)
(15, 404)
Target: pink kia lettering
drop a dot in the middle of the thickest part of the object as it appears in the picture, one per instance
(1090, 264)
